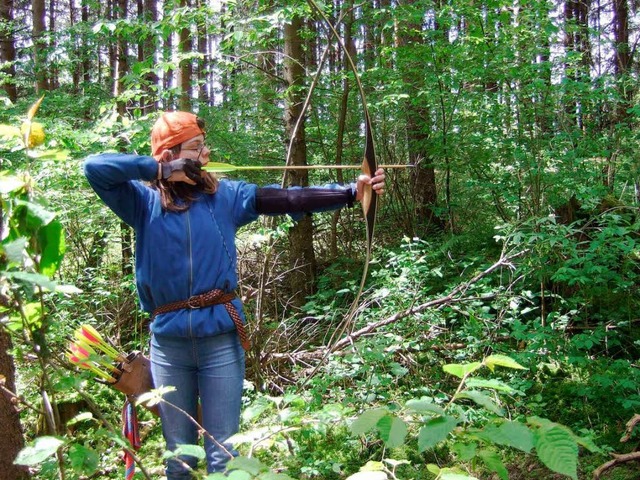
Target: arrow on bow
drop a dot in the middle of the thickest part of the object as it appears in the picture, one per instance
(219, 167)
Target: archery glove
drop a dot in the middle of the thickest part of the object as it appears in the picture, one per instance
(191, 168)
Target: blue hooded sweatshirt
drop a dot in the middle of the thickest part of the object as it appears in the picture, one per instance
(178, 254)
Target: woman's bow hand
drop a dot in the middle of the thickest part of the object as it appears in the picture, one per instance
(376, 182)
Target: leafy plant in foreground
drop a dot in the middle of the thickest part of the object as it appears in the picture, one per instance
(450, 423)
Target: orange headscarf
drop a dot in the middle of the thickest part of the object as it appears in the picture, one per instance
(171, 129)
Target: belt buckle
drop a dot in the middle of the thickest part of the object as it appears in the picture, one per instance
(194, 302)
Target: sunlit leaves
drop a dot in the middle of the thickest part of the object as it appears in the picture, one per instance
(434, 431)
(510, 434)
(557, 449)
(41, 449)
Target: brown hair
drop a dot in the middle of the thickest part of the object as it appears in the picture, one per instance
(178, 196)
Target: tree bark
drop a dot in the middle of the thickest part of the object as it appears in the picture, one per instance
(302, 260)
(39, 45)
(350, 45)
(86, 64)
(123, 60)
(418, 115)
(7, 50)
(149, 48)
(203, 61)
(112, 49)
(184, 70)
(10, 426)
(53, 72)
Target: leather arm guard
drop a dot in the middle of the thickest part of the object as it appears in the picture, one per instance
(276, 201)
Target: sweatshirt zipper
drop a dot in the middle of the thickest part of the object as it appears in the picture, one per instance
(190, 255)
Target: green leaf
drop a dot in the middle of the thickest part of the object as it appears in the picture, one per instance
(465, 451)
(52, 246)
(42, 448)
(274, 476)
(55, 154)
(372, 466)
(191, 451)
(81, 417)
(367, 420)
(461, 370)
(510, 434)
(482, 400)
(454, 474)
(8, 131)
(424, 405)
(493, 461)
(558, 450)
(494, 361)
(239, 475)
(393, 430)
(32, 278)
(247, 464)
(15, 250)
(83, 460)
(256, 409)
(37, 215)
(396, 463)
(493, 384)
(589, 444)
(368, 476)
(434, 431)
(33, 314)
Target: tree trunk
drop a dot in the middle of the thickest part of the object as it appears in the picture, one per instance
(302, 260)
(12, 440)
(123, 60)
(184, 70)
(112, 49)
(86, 63)
(342, 115)
(7, 51)
(418, 118)
(53, 71)
(149, 48)
(75, 72)
(621, 34)
(39, 45)
(203, 61)
(168, 77)
(623, 59)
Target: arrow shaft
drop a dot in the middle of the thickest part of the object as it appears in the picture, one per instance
(300, 167)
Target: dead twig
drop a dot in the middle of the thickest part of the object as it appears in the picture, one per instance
(619, 459)
(455, 296)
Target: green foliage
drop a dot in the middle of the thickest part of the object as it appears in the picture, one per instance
(555, 445)
(515, 136)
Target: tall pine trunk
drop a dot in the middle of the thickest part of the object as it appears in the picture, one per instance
(123, 59)
(419, 127)
(12, 440)
(7, 51)
(39, 45)
(302, 259)
(184, 70)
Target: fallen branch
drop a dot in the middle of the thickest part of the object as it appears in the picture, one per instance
(455, 296)
(619, 459)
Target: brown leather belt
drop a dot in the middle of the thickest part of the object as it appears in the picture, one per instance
(212, 297)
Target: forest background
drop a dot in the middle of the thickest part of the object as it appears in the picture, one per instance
(496, 336)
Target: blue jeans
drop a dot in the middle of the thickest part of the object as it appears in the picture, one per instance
(211, 369)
